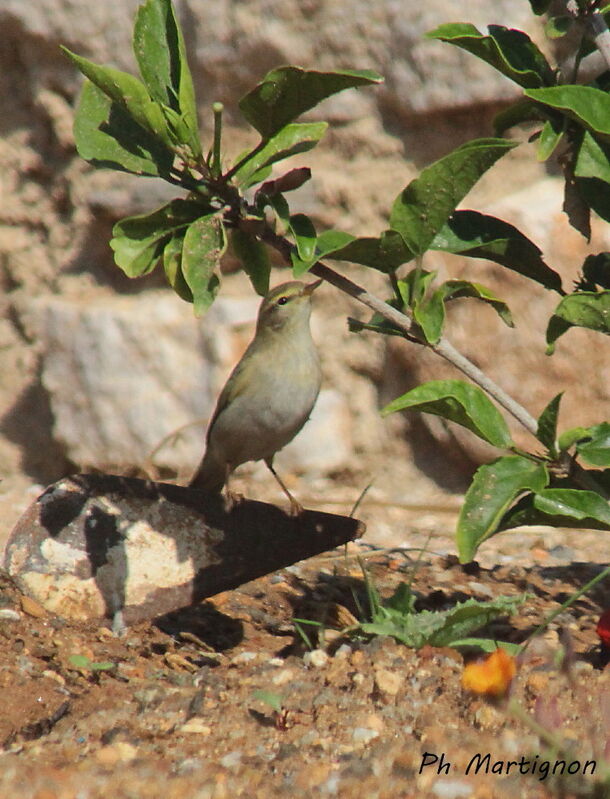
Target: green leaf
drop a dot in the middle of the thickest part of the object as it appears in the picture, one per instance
(326, 244)
(593, 159)
(592, 172)
(290, 140)
(429, 313)
(550, 136)
(574, 204)
(438, 628)
(107, 136)
(525, 514)
(524, 110)
(287, 92)
(589, 106)
(128, 92)
(481, 236)
(415, 286)
(138, 241)
(385, 253)
(254, 258)
(159, 48)
(487, 645)
(580, 309)
(596, 450)
(569, 437)
(458, 402)
(473, 614)
(272, 700)
(456, 289)
(494, 488)
(547, 424)
(540, 7)
(304, 233)
(172, 264)
(596, 271)
(424, 206)
(80, 661)
(557, 27)
(584, 506)
(402, 600)
(510, 51)
(204, 244)
(102, 665)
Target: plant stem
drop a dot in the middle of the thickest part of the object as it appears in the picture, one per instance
(601, 34)
(541, 627)
(447, 351)
(234, 169)
(215, 167)
(443, 348)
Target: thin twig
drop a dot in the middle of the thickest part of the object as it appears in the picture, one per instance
(444, 348)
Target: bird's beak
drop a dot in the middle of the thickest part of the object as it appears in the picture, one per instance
(311, 287)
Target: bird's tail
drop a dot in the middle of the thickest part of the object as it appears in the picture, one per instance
(210, 476)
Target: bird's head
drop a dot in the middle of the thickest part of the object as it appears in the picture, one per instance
(286, 306)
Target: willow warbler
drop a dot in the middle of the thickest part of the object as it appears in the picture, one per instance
(269, 394)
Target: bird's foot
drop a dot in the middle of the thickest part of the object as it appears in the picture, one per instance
(296, 509)
(231, 500)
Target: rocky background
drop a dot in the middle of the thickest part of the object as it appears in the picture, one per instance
(99, 372)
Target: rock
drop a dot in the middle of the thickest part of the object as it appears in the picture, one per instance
(94, 546)
(124, 373)
(452, 789)
(32, 608)
(388, 682)
(232, 49)
(316, 658)
(364, 735)
(195, 726)
(114, 754)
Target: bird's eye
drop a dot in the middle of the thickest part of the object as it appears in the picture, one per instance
(282, 301)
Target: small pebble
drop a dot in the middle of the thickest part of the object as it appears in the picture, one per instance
(364, 735)
(282, 677)
(480, 588)
(120, 752)
(6, 614)
(244, 657)
(388, 682)
(196, 726)
(232, 760)
(317, 658)
(452, 789)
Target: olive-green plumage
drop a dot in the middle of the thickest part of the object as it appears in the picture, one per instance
(270, 393)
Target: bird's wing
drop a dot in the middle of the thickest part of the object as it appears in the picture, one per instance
(232, 389)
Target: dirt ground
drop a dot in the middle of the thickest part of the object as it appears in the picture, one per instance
(170, 709)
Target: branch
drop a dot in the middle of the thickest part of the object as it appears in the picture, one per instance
(601, 35)
(444, 348)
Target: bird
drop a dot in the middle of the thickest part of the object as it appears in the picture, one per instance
(268, 396)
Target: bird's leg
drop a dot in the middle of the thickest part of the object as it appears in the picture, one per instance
(295, 507)
(232, 498)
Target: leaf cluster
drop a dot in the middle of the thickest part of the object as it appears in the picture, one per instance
(397, 617)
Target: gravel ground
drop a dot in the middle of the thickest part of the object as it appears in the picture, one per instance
(171, 709)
